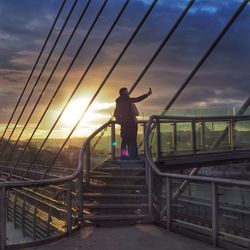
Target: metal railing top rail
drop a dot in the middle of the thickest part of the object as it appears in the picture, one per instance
(200, 118)
(188, 177)
(60, 180)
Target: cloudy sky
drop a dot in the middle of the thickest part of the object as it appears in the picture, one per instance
(222, 82)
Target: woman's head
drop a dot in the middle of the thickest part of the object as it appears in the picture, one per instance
(123, 91)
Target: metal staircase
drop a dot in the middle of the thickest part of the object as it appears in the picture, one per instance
(49, 202)
(117, 194)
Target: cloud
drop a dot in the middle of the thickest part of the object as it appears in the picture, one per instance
(222, 81)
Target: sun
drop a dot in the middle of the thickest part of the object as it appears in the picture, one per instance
(72, 113)
(75, 109)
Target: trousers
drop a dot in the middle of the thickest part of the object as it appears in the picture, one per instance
(129, 140)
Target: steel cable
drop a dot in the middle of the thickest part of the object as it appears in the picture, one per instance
(36, 83)
(217, 40)
(51, 74)
(67, 71)
(33, 69)
(166, 39)
(206, 55)
(79, 82)
(103, 82)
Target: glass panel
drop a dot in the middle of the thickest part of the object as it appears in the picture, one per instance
(153, 141)
(167, 139)
(100, 148)
(242, 134)
(35, 214)
(140, 139)
(184, 137)
(208, 133)
(118, 140)
(234, 215)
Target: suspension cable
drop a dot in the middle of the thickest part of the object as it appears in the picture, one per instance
(168, 36)
(79, 82)
(244, 106)
(33, 69)
(66, 73)
(48, 81)
(103, 82)
(206, 55)
(43, 68)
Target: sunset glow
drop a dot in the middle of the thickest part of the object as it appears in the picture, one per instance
(96, 114)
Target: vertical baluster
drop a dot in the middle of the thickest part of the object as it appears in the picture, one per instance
(143, 138)
(48, 221)
(193, 129)
(174, 137)
(150, 189)
(3, 218)
(232, 133)
(229, 132)
(34, 221)
(80, 195)
(158, 131)
(15, 209)
(113, 141)
(68, 207)
(169, 202)
(203, 135)
(23, 216)
(214, 213)
(88, 163)
(7, 207)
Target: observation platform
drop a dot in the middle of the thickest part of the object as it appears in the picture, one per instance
(146, 237)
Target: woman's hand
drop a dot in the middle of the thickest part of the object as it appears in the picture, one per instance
(149, 92)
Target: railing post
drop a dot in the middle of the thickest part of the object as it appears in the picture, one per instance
(144, 133)
(214, 213)
(113, 141)
(23, 216)
(202, 135)
(193, 129)
(3, 218)
(149, 187)
(169, 202)
(48, 222)
(80, 195)
(232, 134)
(158, 132)
(174, 137)
(68, 206)
(35, 221)
(88, 163)
(14, 210)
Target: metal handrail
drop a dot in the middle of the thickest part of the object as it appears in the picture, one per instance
(76, 176)
(48, 182)
(170, 196)
(187, 177)
(44, 182)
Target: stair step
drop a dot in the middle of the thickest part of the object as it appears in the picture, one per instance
(121, 169)
(119, 177)
(105, 195)
(116, 186)
(101, 206)
(116, 217)
(125, 162)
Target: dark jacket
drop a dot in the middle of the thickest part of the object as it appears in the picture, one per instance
(126, 110)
